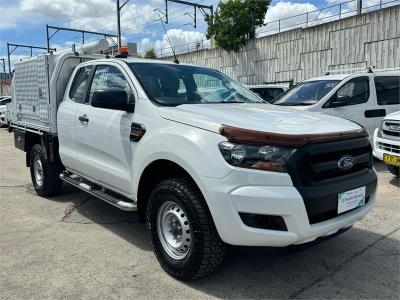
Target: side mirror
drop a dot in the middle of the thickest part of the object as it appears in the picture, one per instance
(337, 101)
(113, 99)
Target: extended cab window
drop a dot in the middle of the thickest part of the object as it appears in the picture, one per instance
(355, 91)
(108, 78)
(77, 90)
(387, 89)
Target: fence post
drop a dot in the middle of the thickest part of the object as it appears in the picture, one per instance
(279, 26)
(306, 19)
(340, 11)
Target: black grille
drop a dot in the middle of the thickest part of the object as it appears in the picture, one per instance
(319, 163)
(315, 173)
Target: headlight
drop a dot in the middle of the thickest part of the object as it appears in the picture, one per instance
(270, 158)
(380, 130)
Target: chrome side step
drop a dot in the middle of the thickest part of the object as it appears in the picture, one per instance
(94, 190)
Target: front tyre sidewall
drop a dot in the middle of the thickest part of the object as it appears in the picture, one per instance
(206, 250)
(175, 267)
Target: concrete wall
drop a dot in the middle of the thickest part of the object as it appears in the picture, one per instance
(370, 39)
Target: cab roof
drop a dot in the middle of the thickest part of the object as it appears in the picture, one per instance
(330, 77)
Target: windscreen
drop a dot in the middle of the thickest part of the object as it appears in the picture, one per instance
(306, 93)
(174, 84)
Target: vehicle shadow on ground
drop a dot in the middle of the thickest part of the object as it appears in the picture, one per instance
(85, 209)
(380, 167)
(337, 268)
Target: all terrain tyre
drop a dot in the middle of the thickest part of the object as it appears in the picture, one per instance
(44, 174)
(182, 231)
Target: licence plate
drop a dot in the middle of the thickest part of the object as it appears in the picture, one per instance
(351, 199)
(391, 159)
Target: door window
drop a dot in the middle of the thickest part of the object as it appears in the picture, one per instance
(387, 90)
(356, 91)
(108, 78)
(77, 90)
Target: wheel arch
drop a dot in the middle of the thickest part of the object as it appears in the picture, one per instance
(155, 172)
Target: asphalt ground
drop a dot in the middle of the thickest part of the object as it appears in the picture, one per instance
(75, 246)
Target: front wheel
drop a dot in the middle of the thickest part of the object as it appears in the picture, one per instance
(44, 174)
(395, 170)
(182, 232)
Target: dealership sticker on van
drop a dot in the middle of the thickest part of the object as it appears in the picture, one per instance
(351, 199)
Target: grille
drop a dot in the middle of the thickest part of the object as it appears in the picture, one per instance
(319, 163)
(391, 128)
(389, 147)
(316, 175)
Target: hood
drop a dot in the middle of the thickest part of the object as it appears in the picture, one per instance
(393, 116)
(260, 117)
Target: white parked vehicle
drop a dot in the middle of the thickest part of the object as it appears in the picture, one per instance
(3, 110)
(363, 97)
(268, 92)
(387, 142)
(201, 159)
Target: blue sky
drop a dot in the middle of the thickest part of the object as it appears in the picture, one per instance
(23, 21)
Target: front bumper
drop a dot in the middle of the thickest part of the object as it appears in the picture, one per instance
(268, 193)
(378, 152)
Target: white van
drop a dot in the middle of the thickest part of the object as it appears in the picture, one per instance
(363, 97)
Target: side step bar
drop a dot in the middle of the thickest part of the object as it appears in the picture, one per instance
(95, 191)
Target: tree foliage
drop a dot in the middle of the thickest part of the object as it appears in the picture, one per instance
(235, 21)
(150, 53)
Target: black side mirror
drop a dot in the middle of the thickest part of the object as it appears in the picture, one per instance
(113, 99)
(336, 101)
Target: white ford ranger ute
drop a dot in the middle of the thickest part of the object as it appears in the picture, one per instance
(204, 161)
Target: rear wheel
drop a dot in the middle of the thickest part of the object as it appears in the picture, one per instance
(395, 170)
(44, 174)
(182, 232)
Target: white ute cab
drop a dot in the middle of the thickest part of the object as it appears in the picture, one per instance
(203, 160)
(363, 97)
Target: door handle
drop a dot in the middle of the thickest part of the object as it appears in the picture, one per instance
(83, 118)
(375, 113)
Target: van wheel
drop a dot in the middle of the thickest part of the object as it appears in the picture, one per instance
(181, 230)
(395, 170)
(44, 174)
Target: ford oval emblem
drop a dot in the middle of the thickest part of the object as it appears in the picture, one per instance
(346, 162)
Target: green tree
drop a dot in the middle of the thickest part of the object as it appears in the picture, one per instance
(235, 21)
(150, 53)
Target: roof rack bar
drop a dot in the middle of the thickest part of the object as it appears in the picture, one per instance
(369, 69)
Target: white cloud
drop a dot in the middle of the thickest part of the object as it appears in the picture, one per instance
(287, 9)
(93, 15)
(11, 17)
(293, 15)
(181, 39)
